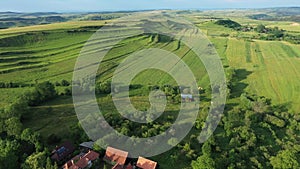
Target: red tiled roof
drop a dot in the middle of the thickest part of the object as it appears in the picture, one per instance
(116, 155)
(117, 166)
(129, 166)
(91, 155)
(83, 161)
(74, 167)
(146, 163)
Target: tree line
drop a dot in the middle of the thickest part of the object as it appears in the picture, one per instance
(21, 147)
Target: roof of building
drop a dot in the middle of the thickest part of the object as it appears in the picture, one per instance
(62, 151)
(129, 166)
(89, 144)
(117, 166)
(82, 161)
(116, 155)
(91, 155)
(187, 96)
(146, 163)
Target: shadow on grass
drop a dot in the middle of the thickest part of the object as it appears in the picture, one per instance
(239, 86)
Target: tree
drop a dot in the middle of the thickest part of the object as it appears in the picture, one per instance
(261, 28)
(43, 92)
(245, 102)
(16, 109)
(65, 83)
(229, 23)
(46, 91)
(103, 88)
(35, 161)
(49, 164)
(206, 148)
(173, 141)
(277, 32)
(8, 154)
(285, 159)
(13, 126)
(203, 162)
(68, 91)
(30, 136)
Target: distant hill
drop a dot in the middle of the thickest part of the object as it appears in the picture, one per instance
(287, 11)
(6, 22)
(278, 14)
(15, 19)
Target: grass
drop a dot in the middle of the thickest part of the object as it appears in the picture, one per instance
(273, 66)
(248, 51)
(54, 117)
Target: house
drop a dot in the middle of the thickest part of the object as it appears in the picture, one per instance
(115, 156)
(186, 97)
(62, 152)
(82, 161)
(129, 166)
(144, 163)
(117, 166)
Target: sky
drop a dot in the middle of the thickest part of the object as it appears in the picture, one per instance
(115, 5)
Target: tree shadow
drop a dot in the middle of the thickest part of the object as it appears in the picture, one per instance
(239, 87)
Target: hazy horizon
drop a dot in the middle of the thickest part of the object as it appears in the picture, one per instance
(135, 5)
(124, 10)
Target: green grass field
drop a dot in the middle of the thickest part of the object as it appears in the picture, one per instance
(272, 64)
(273, 67)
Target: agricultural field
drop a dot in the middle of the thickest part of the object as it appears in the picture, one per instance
(262, 71)
(271, 65)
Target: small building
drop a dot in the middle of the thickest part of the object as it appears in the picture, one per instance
(62, 152)
(118, 166)
(186, 97)
(115, 157)
(87, 145)
(82, 161)
(129, 166)
(144, 163)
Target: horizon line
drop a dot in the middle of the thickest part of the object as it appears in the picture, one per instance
(137, 10)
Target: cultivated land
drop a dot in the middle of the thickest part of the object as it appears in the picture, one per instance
(39, 53)
(48, 52)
